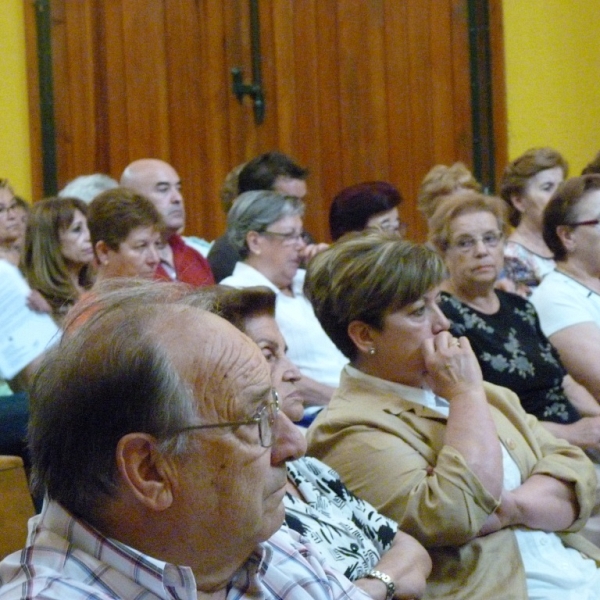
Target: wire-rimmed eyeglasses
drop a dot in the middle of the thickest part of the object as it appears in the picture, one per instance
(265, 419)
(466, 243)
(288, 239)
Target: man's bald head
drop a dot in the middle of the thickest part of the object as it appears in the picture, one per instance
(158, 181)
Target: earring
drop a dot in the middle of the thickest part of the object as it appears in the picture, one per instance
(371, 351)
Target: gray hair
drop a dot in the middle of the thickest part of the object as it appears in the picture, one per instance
(110, 375)
(255, 211)
(87, 187)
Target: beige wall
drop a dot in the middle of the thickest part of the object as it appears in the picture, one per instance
(553, 77)
(14, 122)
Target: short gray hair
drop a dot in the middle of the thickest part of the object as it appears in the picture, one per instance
(255, 211)
(110, 375)
(87, 187)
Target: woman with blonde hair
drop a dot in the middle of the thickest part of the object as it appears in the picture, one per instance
(442, 181)
(9, 224)
(57, 257)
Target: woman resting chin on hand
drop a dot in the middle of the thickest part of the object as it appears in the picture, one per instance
(456, 462)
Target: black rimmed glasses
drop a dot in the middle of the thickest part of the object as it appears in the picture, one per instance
(288, 239)
(466, 243)
(265, 419)
(590, 223)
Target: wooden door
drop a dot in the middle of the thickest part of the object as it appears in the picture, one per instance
(355, 90)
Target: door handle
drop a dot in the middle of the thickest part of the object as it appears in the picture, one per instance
(254, 89)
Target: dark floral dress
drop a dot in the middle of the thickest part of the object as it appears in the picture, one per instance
(514, 353)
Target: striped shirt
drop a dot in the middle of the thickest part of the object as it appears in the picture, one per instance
(67, 559)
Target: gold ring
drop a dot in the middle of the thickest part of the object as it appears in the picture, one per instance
(455, 342)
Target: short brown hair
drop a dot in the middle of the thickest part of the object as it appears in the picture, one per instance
(113, 214)
(458, 204)
(518, 173)
(562, 210)
(366, 276)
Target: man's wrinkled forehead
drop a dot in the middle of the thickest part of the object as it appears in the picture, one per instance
(214, 356)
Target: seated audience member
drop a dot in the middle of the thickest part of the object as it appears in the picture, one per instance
(350, 534)
(270, 171)
(10, 226)
(173, 480)
(568, 303)
(160, 183)
(441, 181)
(527, 185)
(126, 229)
(228, 193)
(503, 329)
(592, 167)
(373, 204)
(266, 229)
(456, 462)
(57, 257)
(230, 189)
(22, 209)
(87, 187)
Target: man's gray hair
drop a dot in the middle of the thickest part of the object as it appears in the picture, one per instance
(87, 187)
(110, 375)
(255, 211)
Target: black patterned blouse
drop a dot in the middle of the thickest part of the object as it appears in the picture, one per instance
(514, 353)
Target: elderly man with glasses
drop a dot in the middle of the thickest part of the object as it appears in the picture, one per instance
(158, 440)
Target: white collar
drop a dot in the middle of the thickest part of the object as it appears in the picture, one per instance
(422, 396)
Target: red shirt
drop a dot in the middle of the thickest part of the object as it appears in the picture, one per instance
(190, 266)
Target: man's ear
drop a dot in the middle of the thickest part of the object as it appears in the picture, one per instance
(147, 473)
(253, 241)
(101, 250)
(362, 336)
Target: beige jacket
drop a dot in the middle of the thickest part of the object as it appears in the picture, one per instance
(390, 452)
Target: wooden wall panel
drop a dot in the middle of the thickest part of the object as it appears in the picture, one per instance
(354, 91)
(33, 86)
(112, 70)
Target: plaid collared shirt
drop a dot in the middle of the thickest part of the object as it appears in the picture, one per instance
(66, 559)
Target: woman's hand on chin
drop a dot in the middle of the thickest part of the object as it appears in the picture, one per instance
(452, 367)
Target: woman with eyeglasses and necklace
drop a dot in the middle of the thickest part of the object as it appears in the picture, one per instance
(266, 228)
(569, 302)
(468, 230)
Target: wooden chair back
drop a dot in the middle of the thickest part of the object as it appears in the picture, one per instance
(16, 505)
